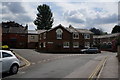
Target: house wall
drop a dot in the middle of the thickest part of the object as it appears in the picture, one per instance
(15, 40)
(56, 45)
(107, 43)
(32, 40)
(53, 44)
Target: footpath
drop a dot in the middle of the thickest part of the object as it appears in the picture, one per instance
(111, 69)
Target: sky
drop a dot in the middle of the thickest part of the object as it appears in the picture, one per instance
(85, 15)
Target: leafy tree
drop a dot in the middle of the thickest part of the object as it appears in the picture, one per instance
(44, 19)
(116, 29)
(97, 31)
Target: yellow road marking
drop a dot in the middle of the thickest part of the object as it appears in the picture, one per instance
(97, 69)
(27, 63)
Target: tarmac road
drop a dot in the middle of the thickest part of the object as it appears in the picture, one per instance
(59, 65)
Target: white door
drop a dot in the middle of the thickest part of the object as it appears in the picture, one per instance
(6, 61)
(0, 63)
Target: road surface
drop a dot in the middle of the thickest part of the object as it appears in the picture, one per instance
(46, 65)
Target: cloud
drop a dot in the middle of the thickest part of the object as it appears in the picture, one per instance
(14, 7)
(79, 14)
(74, 17)
(104, 20)
(15, 11)
(87, 15)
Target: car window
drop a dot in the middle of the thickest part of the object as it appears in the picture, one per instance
(0, 54)
(4, 55)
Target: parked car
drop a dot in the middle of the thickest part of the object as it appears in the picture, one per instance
(9, 61)
(91, 50)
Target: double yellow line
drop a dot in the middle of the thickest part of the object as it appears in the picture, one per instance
(27, 63)
(97, 71)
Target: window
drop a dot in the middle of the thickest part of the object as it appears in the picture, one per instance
(0, 54)
(40, 36)
(32, 37)
(44, 44)
(87, 44)
(44, 36)
(75, 44)
(75, 35)
(4, 55)
(59, 33)
(40, 45)
(87, 36)
(66, 45)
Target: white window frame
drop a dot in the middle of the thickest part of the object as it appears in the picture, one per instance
(76, 35)
(32, 37)
(59, 33)
(86, 36)
(75, 44)
(66, 44)
(87, 44)
(44, 44)
(44, 35)
(40, 45)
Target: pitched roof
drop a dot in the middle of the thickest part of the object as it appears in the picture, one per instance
(32, 32)
(84, 31)
(71, 29)
(12, 27)
(41, 31)
(106, 36)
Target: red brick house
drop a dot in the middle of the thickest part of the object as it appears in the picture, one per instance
(14, 35)
(106, 42)
(61, 39)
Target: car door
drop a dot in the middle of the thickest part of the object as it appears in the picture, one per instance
(0, 63)
(6, 61)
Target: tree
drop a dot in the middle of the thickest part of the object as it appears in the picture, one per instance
(97, 31)
(116, 29)
(44, 19)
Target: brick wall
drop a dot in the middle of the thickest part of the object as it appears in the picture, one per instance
(56, 45)
(15, 40)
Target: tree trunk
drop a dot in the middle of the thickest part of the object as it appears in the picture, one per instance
(118, 53)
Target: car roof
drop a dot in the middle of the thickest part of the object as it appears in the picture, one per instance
(5, 51)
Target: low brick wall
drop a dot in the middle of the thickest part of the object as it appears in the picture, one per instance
(118, 52)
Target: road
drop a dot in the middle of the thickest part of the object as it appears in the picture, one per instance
(44, 65)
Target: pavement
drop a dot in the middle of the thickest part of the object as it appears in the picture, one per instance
(111, 68)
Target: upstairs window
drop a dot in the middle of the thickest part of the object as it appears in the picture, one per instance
(86, 36)
(75, 35)
(44, 36)
(59, 33)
